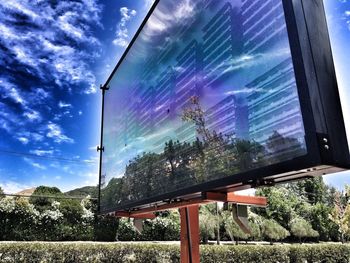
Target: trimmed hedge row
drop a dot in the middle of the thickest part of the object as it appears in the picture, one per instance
(30, 252)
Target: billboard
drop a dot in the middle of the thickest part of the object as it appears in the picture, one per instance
(220, 95)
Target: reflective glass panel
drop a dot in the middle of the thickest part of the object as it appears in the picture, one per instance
(207, 91)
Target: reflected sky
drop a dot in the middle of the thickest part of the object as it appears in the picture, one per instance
(233, 55)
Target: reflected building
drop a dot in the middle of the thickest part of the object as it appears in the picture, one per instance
(163, 106)
(222, 118)
(131, 115)
(221, 43)
(145, 111)
(188, 84)
(260, 31)
(274, 105)
(188, 79)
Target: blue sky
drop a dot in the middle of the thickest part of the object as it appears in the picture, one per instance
(53, 56)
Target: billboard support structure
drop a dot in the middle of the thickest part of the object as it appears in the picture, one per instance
(189, 217)
(100, 148)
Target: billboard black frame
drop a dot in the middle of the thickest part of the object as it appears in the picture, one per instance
(325, 134)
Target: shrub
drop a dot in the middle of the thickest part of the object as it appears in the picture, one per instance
(126, 231)
(300, 228)
(232, 228)
(105, 228)
(26, 252)
(161, 229)
(273, 231)
(208, 223)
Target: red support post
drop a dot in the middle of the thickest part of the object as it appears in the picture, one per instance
(189, 236)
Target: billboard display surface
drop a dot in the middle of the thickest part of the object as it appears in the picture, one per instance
(206, 91)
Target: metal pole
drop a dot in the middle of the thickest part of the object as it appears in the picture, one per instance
(188, 235)
(218, 224)
(100, 148)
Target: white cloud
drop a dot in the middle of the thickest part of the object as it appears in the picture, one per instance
(44, 43)
(122, 34)
(55, 132)
(23, 140)
(11, 187)
(91, 89)
(32, 115)
(39, 166)
(34, 164)
(148, 4)
(9, 90)
(162, 20)
(42, 152)
(62, 104)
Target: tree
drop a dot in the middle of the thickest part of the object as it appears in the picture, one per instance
(232, 228)
(282, 204)
(300, 228)
(1, 193)
(255, 225)
(321, 222)
(165, 227)
(314, 190)
(274, 231)
(208, 223)
(282, 148)
(248, 154)
(105, 228)
(339, 215)
(83, 191)
(43, 197)
(216, 159)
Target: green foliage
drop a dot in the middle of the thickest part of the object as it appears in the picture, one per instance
(274, 231)
(282, 204)
(300, 228)
(105, 228)
(44, 218)
(255, 225)
(340, 215)
(244, 254)
(83, 191)
(208, 223)
(325, 253)
(126, 231)
(43, 197)
(321, 222)
(156, 253)
(232, 228)
(16, 218)
(166, 227)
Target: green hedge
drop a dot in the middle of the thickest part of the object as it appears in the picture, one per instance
(29, 252)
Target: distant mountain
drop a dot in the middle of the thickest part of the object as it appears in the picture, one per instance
(83, 191)
(26, 192)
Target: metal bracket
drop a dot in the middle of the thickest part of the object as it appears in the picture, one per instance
(100, 148)
(325, 147)
(104, 88)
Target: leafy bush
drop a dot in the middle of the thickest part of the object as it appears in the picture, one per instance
(126, 231)
(274, 231)
(232, 228)
(106, 228)
(300, 228)
(26, 252)
(208, 223)
(162, 228)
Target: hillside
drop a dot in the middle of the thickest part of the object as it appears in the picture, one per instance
(83, 191)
